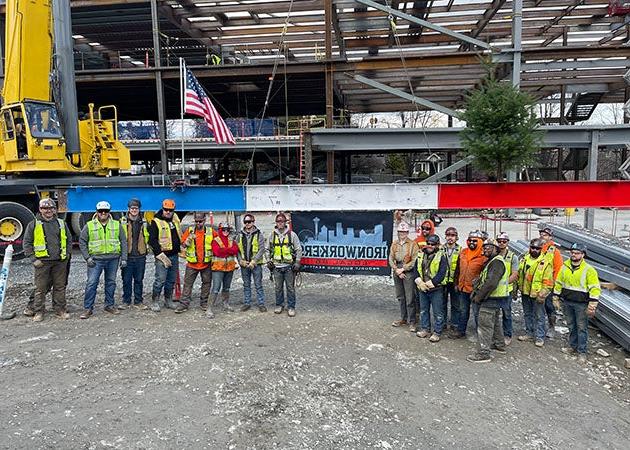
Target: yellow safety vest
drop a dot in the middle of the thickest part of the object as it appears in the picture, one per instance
(502, 289)
(535, 274)
(39, 240)
(103, 240)
(434, 266)
(223, 264)
(164, 232)
(282, 250)
(191, 250)
(452, 263)
(507, 260)
(255, 246)
(583, 279)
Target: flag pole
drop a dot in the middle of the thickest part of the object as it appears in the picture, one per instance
(182, 89)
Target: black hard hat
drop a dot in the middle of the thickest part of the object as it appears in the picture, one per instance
(579, 247)
(433, 239)
(547, 230)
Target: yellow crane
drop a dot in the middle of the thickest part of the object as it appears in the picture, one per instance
(31, 135)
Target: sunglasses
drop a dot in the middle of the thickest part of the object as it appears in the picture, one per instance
(46, 207)
(535, 248)
(200, 221)
(167, 210)
(248, 221)
(426, 229)
(502, 241)
(103, 211)
(471, 240)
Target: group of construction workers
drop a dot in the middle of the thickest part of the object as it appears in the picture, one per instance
(482, 279)
(108, 244)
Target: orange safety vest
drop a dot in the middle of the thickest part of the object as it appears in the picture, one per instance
(223, 264)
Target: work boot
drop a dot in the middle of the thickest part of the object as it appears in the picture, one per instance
(168, 303)
(434, 338)
(455, 334)
(568, 350)
(86, 314)
(496, 348)
(181, 308)
(262, 308)
(479, 358)
(203, 305)
(62, 315)
(28, 312)
(111, 310)
(123, 306)
(225, 298)
(245, 307)
(423, 334)
(507, 340)
(38, 317)
(551, 331)
(291, 312)
(582, 359)
(155, 303)
(525, 338)
(539, 343)
(279, 309)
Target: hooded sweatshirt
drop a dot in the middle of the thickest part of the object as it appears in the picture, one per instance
(469, 266)
(229, 248)
(154, 242)
(420, 239)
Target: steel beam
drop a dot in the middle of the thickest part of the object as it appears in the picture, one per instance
(591, 175)
(159, 86)
(412, 98)
(424, 23)
(449, 170)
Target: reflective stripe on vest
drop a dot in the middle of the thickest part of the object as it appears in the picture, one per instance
(434, 265)
(507, 261)
(255, 247)
(575, 280)
(191, 250)
(164, 232)
(103, 240)
(452, 262)
(502, 289)
(39, 239)
(532, 272)
(282, 250)
(227, 264)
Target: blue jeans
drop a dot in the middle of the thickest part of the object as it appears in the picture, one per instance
(165, 277)
(257, 274)
(464, 311)
(549, 308)
(133, 277)
(506, 310)
(109, 266)
(284, 276)
(221, 281)
(432, 300)
(577, 322)
(534, 316)
(450, 293)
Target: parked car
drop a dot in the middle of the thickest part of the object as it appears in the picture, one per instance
(361, 179)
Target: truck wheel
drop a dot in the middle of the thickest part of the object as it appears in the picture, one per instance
(13, 220)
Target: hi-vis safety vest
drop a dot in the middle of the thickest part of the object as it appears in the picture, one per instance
(255, 245)
(452, 263)
(103, 240)
(223, 264)
(434, 265)
(164, 232)
(502, 289)
(583, 279)
(282, 249)
(144, 239)
(191, 250)
(535, 274)
(39, 240)
(507, 261)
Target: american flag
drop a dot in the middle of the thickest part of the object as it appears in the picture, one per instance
(198, 103)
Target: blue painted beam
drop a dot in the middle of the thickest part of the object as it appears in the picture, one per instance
(190, 198)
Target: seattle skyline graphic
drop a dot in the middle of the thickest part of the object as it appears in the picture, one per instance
(337, 235)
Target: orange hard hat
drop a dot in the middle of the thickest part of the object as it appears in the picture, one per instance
(168, 203)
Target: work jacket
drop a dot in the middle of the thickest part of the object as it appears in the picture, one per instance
(48, 240)
(165, 234)
(137, 233)
(578, 284)
(535, 275)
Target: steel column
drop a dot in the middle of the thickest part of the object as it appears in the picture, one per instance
(591, 175)
(155, 23)
(308, 158)
(328, 17)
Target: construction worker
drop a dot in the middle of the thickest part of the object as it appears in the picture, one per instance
(427, 228)
(285, 253)
(577, 291)
(165, 241)
(451, 250)
(535, 281)
(47, 240)
(432, 268)
(490, 293)
(546, 234)
(197, 246)
(224, 263)
(251, 251)
(103, 245)
(402, 260)
(469, 265)
(511, 265)
(137, 233)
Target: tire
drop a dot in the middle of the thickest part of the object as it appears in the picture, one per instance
(13, 219)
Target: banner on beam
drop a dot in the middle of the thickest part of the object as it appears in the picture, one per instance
(353, 244)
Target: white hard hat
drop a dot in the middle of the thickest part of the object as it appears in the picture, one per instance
(103, 205)
(403, 227)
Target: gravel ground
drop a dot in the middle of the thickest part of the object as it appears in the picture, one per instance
(336, 376)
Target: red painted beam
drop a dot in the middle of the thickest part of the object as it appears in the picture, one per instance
(536, 194)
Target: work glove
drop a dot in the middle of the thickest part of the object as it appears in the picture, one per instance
(421, 284)
(123, 264)
(557, 303)
(271, 266)
(188, 240)
(540, 299)
(296, 267)
(164, 260)
(430, 285)
(242, 263)
(591, 308)
(90, 262)
(38, 263)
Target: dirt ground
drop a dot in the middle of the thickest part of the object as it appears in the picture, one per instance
(336, 376)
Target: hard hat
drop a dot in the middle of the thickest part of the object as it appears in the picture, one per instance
(489, 242)
(224, 226)
(281, 216)
(536, 242)
(579, 247)
(475, 234)
(47, 203)
(103, 205)
(503, 235)
(403, 227)
(451, 230)
(433, 239)
(168, 203)
(547, 230)
(134, 202)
